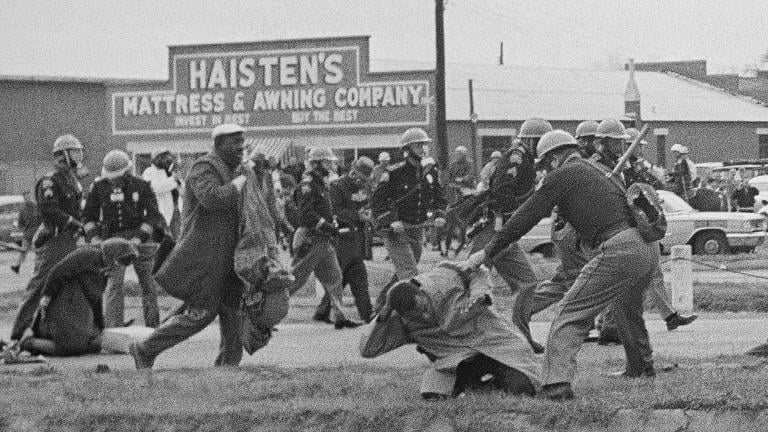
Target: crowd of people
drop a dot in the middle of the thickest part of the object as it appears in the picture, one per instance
(181, 235)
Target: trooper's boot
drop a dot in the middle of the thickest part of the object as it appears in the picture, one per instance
(676, 320)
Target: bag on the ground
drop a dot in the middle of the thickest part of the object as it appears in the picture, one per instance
(265, 298)
(645, 205)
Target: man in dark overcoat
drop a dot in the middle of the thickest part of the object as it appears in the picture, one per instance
(200, 270)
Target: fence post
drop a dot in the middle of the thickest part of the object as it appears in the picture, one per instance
(681, 278)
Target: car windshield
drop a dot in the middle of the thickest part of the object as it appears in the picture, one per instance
(672, 203)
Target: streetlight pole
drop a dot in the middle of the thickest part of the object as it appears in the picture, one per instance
(441, 143)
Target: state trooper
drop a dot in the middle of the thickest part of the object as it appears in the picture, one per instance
(58, 194)
(350, 197)
(620, 268)
(585, 135)
(406, 196)
(122, 205)
(573, 257)
(512, 182)
(613, 139)
(313, 241)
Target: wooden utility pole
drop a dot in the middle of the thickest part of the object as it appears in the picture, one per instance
(477, 151)
(441, 143)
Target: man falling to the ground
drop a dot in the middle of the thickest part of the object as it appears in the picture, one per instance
(448, 313)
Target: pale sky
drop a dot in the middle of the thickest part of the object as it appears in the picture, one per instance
(129, 39)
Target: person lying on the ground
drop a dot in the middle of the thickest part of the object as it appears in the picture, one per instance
(69, 319)
(448, 314)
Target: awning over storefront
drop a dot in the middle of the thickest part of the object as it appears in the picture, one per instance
(349, 141)
(281, 148)
(176, 146)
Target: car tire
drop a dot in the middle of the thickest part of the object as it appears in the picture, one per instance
(710, 243)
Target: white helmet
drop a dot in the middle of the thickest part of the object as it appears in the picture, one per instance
(676, 148)
(461, 149)
(495, 154)
(384, 157)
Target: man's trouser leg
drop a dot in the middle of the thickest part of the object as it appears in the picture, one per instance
(512, 264)
(176, 329)
(628, 314)
(659, 294)
(53, 251)
(356, 275)
(143, 266)
(622, 264)
(572, 259)
(548, 293)
(230, 347)
(328, 272)
(114, 298)
(320, 257)
(404, 250)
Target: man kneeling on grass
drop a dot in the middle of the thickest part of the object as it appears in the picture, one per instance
(69, 319)
(448, 313)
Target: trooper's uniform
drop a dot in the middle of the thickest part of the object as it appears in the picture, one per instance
(348, 199)
(410, 194)
(126, 207)
(617, 273)
(510, 185)
(58, 195)
(313, 241)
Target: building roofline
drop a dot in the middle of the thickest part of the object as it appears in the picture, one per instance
(79, 80)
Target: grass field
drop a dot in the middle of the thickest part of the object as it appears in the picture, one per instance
(362, 399)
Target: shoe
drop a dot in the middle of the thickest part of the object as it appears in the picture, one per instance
(129, 322)
(759, 351)
(346, 323)
(139, 360)
(649, 372)
(676, 320)
(322, 318)
(537, 347)
(15, 268)
(557, 392)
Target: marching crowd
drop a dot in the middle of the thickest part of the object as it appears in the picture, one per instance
(183, 237)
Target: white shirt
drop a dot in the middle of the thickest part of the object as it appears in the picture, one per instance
(162, 185)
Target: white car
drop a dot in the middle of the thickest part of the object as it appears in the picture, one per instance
(708, 233)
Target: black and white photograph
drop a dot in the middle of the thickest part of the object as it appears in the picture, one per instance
(391, 215)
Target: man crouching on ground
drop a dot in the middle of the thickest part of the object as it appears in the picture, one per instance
(448, 313)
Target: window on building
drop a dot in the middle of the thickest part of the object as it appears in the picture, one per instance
(491, 144)
(762, 145)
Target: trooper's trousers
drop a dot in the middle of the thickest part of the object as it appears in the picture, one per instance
(318, 255)
(573, 257)
(618, 274)
(513, 266)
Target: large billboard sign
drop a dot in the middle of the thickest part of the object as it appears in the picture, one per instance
(284, 88)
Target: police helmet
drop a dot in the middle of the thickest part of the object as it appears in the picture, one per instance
(413, 136)
(554, 140)
(66, 142)
(534, 127)
(611, 128)
(115, 164)
(363, 165)
(384, 157)
(632, 136)
(586, 128)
